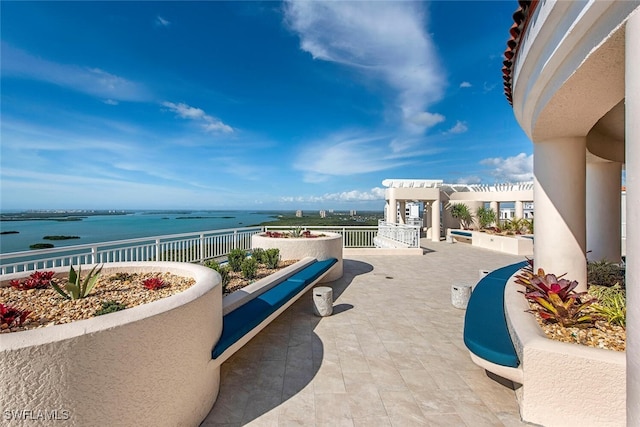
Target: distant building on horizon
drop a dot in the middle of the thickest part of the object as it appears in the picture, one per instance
(298, 213)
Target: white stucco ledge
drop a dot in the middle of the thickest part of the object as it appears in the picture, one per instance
(148, 365)
(320, 248)
(563, 384)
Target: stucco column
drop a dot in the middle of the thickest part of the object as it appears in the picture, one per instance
(403, 212)
(519, 207)
(435, 220)
(392, 210)
(559, 194)
(632, 161)
(603, 211)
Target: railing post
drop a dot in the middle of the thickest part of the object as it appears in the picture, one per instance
(201, 260)
(157, 249)
(235, 239)
(94, 254)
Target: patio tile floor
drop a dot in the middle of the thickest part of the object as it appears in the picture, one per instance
(390, 355)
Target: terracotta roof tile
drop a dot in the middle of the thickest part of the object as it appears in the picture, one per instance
(521, 19)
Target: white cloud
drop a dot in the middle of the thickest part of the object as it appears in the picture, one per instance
(511, 169)
(351, 153)
(472, 179)
(160, 21)
(427, 120)
(91, 81)
(375, 193)
(209, 123)
(465, 84)
(388, 41)
(459, 127)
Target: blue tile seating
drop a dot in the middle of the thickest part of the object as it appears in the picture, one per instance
(242, 320)
(485, 327)
(461, 233)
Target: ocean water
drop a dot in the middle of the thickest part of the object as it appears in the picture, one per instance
(104, 228)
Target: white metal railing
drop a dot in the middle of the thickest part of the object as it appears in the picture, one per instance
(186, 247)
(405, 234)
(352, 236)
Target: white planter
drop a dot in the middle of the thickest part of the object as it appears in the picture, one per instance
(563, 384)
(148, 365)
(515, 245)
(321, 248)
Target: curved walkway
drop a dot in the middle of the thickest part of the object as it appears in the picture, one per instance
(391, 354)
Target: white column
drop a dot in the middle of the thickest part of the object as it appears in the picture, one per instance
(495, 207)
(519, 209)
(603, 211)
(435, 220)
(559, 195)
(403, 212)
(632, 161)
(392, 210)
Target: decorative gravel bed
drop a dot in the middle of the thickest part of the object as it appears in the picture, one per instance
(48, 308)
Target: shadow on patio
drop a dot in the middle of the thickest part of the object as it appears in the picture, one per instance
(391, 354)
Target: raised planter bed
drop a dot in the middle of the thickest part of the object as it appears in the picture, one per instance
(146, 365)
(322, 248)
(563, 384)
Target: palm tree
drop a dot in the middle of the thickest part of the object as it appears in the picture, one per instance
(461, 212)
(486, 217)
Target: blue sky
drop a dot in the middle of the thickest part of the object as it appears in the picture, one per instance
(251, 105)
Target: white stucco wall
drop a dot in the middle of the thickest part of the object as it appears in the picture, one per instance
(321, 248)
(148, 365)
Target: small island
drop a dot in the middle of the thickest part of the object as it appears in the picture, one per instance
(41, 246)
(9, 232)
(60, 237)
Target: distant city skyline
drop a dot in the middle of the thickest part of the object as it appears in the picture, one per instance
(250, 105)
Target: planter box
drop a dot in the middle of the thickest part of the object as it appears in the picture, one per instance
(148, 365)
(563, 384)
(515, 245)
(321, 248)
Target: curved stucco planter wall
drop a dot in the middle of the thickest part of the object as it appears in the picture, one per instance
(148, 365)
(321, 248)
(563, 384)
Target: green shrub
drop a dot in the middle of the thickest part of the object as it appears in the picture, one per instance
(249, 268)
(109, 307)
(223, 271)
(258, 254)
(236, 256)
(461, 212)
(611, 304)
(272, 257)
(605, 273)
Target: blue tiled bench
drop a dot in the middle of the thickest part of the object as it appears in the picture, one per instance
(461, 233)
(243, 320)
(485, 327)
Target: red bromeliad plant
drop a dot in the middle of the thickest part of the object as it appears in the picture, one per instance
(37, 280)
(555, 299)
(12, 316)
(154, 283)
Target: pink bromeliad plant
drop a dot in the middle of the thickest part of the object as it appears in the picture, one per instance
(37, 280)
(11, 316)
(555, 299)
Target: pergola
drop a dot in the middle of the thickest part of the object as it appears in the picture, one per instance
(435, 193)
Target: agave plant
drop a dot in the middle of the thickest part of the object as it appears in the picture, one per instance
(77, 288)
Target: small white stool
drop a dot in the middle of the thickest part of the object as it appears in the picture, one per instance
(322, 301)
(460, 295)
